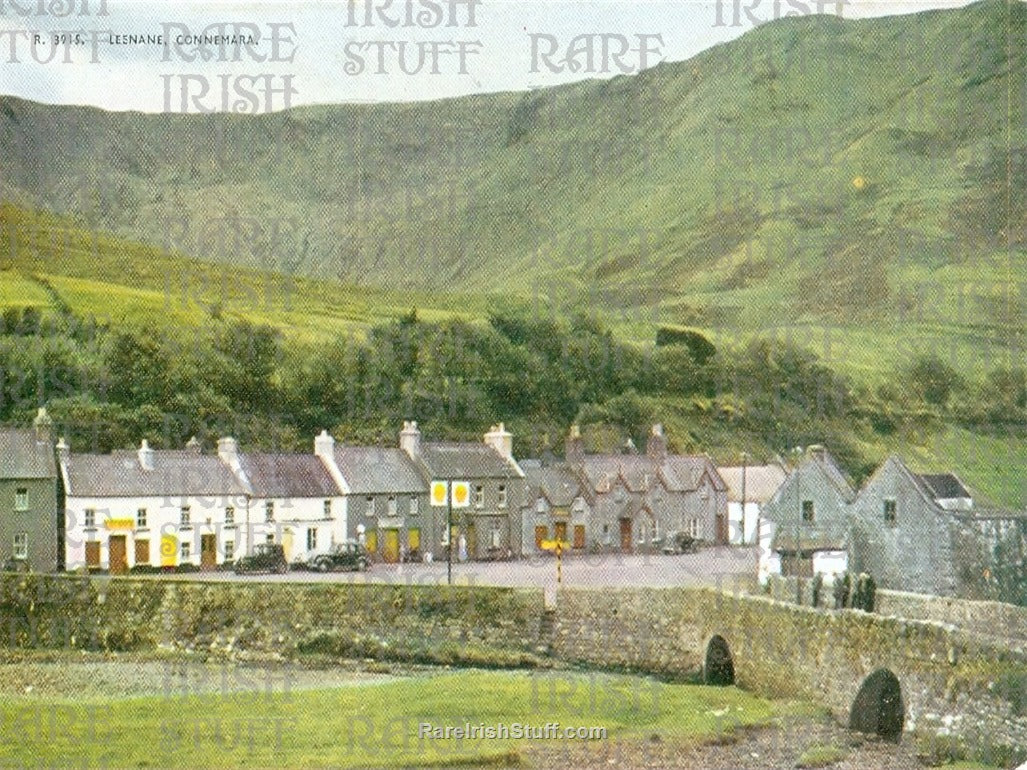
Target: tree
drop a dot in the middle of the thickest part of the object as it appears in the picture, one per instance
(933, 379)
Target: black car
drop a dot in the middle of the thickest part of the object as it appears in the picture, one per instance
(266, 557)
(349, 555)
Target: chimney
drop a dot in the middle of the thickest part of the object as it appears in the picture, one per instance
(63, 451)
(817, 452)
(193, 446)
(574, 448)
(500, 439)
(324, 445)
(145, 456)
(228, 450)
(656, 446)
(410, 439)
(43, 426)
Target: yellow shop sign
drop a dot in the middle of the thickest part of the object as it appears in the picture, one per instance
(120, 523)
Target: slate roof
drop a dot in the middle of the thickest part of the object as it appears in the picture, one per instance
(287, 475)
(379, 470)
(457, 460)
(557, 483)
(21, 457)
(942, 486)
(679, 473)
(761, 482)
(175, 472)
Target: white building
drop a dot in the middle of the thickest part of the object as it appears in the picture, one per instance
(749, 488)
(157, 508)
(165, 508)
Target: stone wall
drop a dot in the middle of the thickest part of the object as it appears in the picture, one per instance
(953, 683)
(434, 623)
(993, 618)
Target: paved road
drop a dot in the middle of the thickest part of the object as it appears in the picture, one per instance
(723, 567)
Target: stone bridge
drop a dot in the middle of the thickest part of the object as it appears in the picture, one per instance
(905, 674)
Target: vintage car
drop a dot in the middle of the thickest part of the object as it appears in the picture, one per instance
(349, 555)
(266, 557)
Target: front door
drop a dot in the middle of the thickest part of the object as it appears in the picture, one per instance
(541, 533)
(721, 529)
(390, 548)
(208, 552)
(142, 552)
(93, 554)
(561, 531)
(625, 535)
(118, 554)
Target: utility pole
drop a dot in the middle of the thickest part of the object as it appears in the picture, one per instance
(449, 529)
(745, 458)
(798, 524)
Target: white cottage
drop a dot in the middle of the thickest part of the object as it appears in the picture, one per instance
(151, 508)
(293, 499)
(749, 488)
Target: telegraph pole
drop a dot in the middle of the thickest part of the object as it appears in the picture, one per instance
(449, 528)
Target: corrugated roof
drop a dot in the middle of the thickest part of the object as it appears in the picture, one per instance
(287, 475)
(457, 460)
(175, 472)
(761, 482)
(379, 470)
(22, 457)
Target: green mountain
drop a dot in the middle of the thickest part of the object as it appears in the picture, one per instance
(814, 170)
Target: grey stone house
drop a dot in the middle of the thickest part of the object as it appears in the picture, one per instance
(387, 502)
(555, 508)
(807, 521)
(636, 500)
(924, 532)
(491, 526)
(31, 497)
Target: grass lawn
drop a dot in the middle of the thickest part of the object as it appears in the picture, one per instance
(358, 724)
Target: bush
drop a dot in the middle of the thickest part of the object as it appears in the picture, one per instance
(864, 597)
(818, 587)
(842, 590)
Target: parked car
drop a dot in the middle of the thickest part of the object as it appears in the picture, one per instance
(266, 557)
(349, 555)
(680, 542)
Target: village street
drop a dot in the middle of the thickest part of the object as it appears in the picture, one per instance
(716, 566)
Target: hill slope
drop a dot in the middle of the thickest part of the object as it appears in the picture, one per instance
(813, 170)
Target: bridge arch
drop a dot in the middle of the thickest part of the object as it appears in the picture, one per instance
(718, 666)
(878, 708)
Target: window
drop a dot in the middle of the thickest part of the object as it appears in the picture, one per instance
(269, 511)
(502, 496)
(141, 518)
(479, 497)
(807, 511)
(327, 507)
(185, 549)
(890, 513)
(89, 517)
(186, 516)
(704, 492)
(21, 546)
(229, 550)
(370, 506)
(229, 515)
(415, 504)
(693, 528)
(21, 499)
(312, 539)
(392, 506)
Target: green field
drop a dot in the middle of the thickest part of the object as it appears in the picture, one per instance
(360, 723)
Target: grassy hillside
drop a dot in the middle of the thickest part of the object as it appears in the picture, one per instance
(815, 170)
